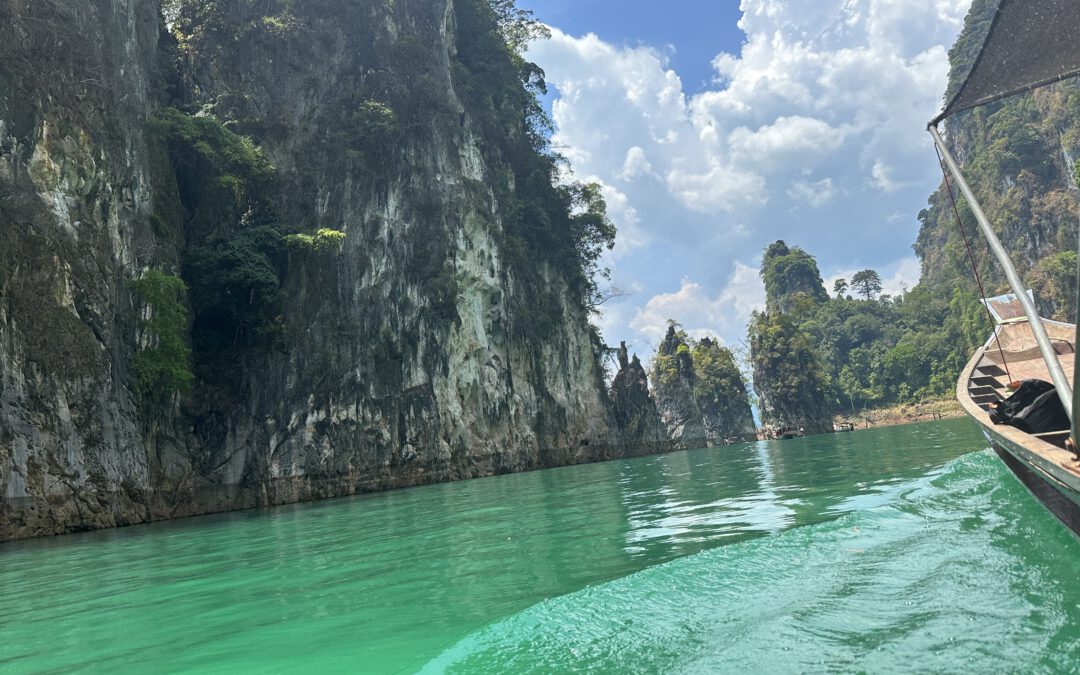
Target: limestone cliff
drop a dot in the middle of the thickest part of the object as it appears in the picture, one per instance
(634, 408)
(699, 391)
(720, 393)
(442, 338)
(788, 378)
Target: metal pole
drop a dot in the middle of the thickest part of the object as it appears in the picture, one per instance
(1057, 374)
(1076, 361)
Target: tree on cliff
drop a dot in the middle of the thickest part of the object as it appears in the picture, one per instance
(518, 27)
(867, 283)
(840, 287)
(592, 233)
(791, 278)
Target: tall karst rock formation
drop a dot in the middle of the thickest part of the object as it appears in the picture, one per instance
(261, 252)
(699, 391)
(634, 408)
(788, 379)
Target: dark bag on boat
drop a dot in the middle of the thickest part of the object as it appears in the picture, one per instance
(1024, 396)
(1044, 414)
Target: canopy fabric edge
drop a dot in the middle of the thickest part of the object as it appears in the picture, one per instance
(1028, 44)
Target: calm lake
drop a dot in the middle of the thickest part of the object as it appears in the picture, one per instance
(904, 548)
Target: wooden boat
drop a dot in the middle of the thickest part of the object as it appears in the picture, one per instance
(1040, 461)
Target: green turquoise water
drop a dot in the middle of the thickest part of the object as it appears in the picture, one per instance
(898, 549)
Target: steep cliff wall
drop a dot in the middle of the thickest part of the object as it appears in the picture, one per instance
(720, 393)
(426, 346)
(788, 378)
(76, 85)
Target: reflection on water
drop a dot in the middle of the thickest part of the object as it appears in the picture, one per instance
(387, 581)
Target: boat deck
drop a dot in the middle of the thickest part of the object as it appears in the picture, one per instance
(986, 378)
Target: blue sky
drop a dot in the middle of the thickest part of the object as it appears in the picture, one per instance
(690, 32)
(716, 128)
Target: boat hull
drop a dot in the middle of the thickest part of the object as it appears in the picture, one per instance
(1040, 461)
(1058, 499)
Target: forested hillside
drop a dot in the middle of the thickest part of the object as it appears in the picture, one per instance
(857, 349)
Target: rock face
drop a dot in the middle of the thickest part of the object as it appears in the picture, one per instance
(673, 378)
(699, 392)
(415, 352)
(634, 408)
(720, 393)
(787, 376)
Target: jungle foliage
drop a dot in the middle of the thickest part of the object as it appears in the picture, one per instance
(853, 353)
(791, 278)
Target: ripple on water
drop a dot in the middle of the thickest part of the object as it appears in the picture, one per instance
(905, 582)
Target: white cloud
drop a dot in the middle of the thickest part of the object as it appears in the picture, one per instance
(789, 140)
(636, 164)
(625, 217)
(813, 193)
(855, 77)
(700, 313)
(719, 189)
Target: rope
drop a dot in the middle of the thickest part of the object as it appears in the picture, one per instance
(971, 259)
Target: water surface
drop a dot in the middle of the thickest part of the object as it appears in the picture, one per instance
(888, 549)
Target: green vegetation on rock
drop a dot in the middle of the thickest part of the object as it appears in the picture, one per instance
(323, 241)
(791, 278)
(162, 365)
(700, 393)
(790, 381)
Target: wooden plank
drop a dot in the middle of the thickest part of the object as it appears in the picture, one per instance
(1014, 356)
(989, 370)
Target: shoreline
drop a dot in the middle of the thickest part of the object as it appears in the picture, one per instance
(908, 413)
